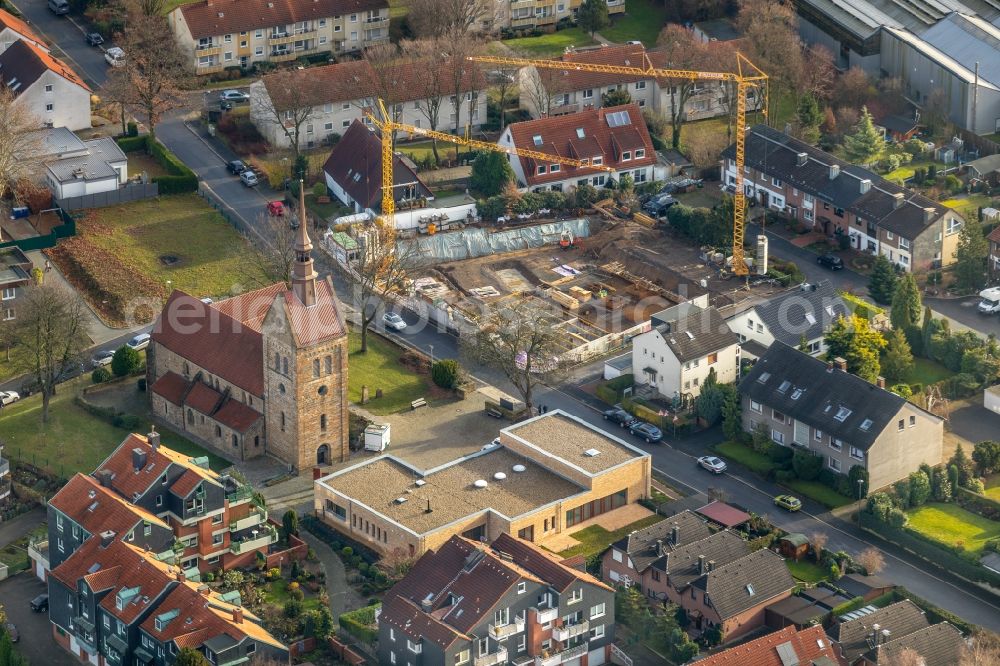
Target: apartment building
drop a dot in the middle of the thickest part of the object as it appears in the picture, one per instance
(45, 88)
(835, 198)
(817, 405)
(13, 29)
(482, 604)
(15, 276)
(168, 503)
(613, 137)
(683, 345)
(341, 93)
(218, 34)
(547, 474)
(113, 602)
(527, 15)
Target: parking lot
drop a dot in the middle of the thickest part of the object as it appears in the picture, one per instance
(36, 642)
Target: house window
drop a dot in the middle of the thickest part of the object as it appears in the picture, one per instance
(575, 596)
(48, 87)
(756, 407)
(8, 314)
(597, 632)
(818, 435)
(776, 182)
(777, 416)
(315, 367)
(640, 153)
(857, 453)
(522, 643)
(836, 444)
(778, 437)
(49, 106)
(555, 168)
(900, 425)
(713, 358)
(463, 657)
(588, 93)
(834, 464)
(913, 421)
(541, 169)
(626, 156)
(217, 539)
(640, 85)
(9, 293)
(597, 611)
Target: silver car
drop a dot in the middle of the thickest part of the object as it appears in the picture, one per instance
(712, 464)
(393, 321)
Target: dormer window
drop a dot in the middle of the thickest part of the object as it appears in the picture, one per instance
(597, 160)
(640, 153)
(626, 156)
(541, 169)
(555, 168)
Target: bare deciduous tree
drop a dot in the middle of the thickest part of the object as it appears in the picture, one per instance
(269, 254)
(818, 540)
(19, 143)
(289, 105)
(382, 269)
(535, 86)
(872, 560)
(383, 60)
(50, 329)
(983, 650)
(463, 75)
(430, 77)
(771, 30)
(819, 76)
(503, 82)
(431, 19)
(117, 93)
(905, 657)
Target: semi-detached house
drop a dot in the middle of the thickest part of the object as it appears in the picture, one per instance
(218, 34)
(44, 88)
(13, 29)
(835, 198)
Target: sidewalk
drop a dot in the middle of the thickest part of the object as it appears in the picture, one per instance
(343, 597)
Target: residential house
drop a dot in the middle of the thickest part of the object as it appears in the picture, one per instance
(994, 265)
(353, 172)
(114, 602)
(5, 478)
(151, 496)
(15, 275)
(547, 474)
(630, 560)
(544, 13)
(800, 315)
(614, 137)
(338, 94)
(221, 34)
(45, 88)
(817, 405)
(684, 343)
(506, 602)
(835, 197)
(74, 167)
(781, 648)
(878, 636)
(985, 168)
(13, 29)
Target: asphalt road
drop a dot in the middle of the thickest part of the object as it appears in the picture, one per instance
(67, 33)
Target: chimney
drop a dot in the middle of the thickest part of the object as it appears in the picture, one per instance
(138, 459)
(659, 547)
(180, 575)
(928, 215)
(204, 590)
(885, 636)
(107, 537)
(153, 437)
(675, 534)
(426, 605)
(701, 564)
(866, 185)
(104, 477)
(237, 616)
(897, 200)
(428, 509)
(801, 159)
(841, 363)
(834, 171)
(711, 565)
(880, 382)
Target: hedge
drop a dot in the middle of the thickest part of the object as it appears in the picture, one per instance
(987, 507)
(935, 553)
(848, 606)
(612, 390)
(130, 144)
(360, 623)
(861, 307)
(180, 178)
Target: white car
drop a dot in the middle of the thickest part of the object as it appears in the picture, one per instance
(115, 56)
(7, 397)
(139, 342)
(713, 464)
(249, 178)
(102, 358)
(393, 321)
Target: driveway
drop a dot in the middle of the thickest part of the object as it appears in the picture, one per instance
(36, 642)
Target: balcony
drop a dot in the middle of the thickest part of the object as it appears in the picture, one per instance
(503, 631)
(38, 551)
(4, 467)
(498, 657)
(240, 495)
(256, 517)
(562, 657)
(253, 542)
(207, 50)
(568, 631)
(546, 615)
(371, 20)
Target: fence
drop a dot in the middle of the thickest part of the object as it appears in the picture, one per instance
(130, 192)
(981, 143)
(64, 230)
(227, 212)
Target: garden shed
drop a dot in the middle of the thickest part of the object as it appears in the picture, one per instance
(794, 545)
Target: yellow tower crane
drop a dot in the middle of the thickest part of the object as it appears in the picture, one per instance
(746, 76)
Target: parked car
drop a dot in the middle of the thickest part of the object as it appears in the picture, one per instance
(647, 431)
(94, 38)
(619, 416)
(59, 7)
(40, 604)
(225, 105)
(831, 261)
(8, 397)
(249, 178)
(115, 56)
(275, 209)
(236, 167)
(393, 321)
(788, 502)
(102, 358)
(139, 342)
(233, 96)
(12, 631)
(712, 464)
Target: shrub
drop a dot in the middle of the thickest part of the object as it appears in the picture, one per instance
(446, 373)
(100, 375)
(784, 475)
(806, 464)
(897, 518)
(920, 488)
(292, 608)
(296, 594)
(127, 422)
(781, 456)
(273, 574)
(133, 129)
(126, 361)
(361, 623)
(319, 190)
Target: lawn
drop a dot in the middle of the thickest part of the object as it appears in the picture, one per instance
(328, 211)
(643, 21)
(906, 171)
(277, 593)
(379, 368)
(139, 161)
(15, 554)
(74, 440)
(926, 371)
(552, 44)
(993, 487)
(806, 571)
(952, 525)
(968, 205)
(744, 455)
(169, 5)
(819, 492)
(594, 539)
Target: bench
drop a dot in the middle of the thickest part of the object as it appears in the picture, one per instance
(419, 402)
(495, 413)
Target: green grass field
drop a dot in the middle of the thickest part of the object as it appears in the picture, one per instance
(952, 525)
(968, 205)
(806, 570)
(550, 45)
(379, 368)
(744, 455)
(906, 171)
(643, 20)
(926, 371)
(823, 494)
(993, 487)
(594, 539)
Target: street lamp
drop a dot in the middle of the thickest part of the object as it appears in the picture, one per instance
(861, 496)
(432, 353)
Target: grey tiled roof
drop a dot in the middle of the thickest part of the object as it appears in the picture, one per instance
(745, 583)
(802, 312)
(722, 548)
(692, 332)
(900, 619)
(939, 645)
(641, 545)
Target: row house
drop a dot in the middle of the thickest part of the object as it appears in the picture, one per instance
(808, 403)
(165, 502)
(453, 96)
(836, 198)
(878, 637)
(507, 602)
(15, 277)
(630, 560)
(44, 87)
(614, 137)
(113, 602)
(218, 34)
(781, 648)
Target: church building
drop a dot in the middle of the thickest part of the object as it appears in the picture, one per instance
(261, 373)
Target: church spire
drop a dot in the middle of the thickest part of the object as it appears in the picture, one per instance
(303, 272)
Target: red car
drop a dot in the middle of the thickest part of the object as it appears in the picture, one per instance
(275, 208)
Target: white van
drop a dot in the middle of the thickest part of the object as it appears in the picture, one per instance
(989, 301)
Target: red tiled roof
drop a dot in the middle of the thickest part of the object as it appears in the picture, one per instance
(723, 514)
(994, 235)
(25, 61)
(560, 81)
(251, 307)
(126, 481)
(203, 398)
(171, 386)
(185, 483)
(318, 323)
(213, 339)
(220, 17)
(8, 20)
(546, 566)
(808, 645)
(236, 415)
(560, 135)
(103, 579)
(97, 509)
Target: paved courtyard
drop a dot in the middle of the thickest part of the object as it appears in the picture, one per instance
(968, 424)
(36, 642)
(611, 521)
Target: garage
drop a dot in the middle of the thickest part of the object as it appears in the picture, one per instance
(991, 399)
(596, 657)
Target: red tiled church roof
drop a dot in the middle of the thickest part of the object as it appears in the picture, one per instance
(172, 387)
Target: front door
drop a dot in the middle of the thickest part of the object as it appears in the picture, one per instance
(323, 455)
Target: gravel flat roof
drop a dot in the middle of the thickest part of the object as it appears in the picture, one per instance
(570, 439)
(450, 488)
